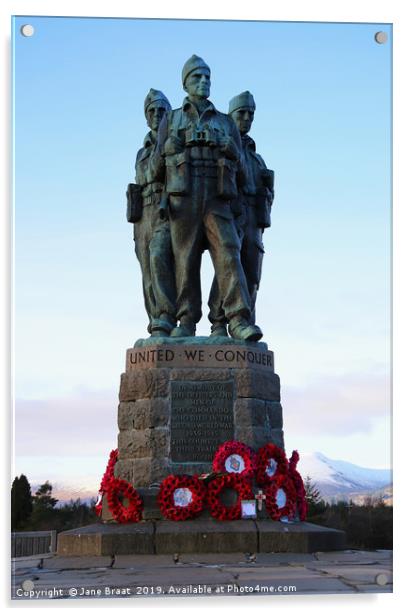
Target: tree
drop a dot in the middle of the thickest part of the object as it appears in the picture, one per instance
(43, 501)
(21, 502)
(43, 516)
(315, 502)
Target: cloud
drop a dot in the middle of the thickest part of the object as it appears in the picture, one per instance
(82, 423)
(85, 422)
(342, 406)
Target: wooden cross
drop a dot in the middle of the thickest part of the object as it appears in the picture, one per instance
(260, 497)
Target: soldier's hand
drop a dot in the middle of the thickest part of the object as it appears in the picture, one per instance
(173, 145)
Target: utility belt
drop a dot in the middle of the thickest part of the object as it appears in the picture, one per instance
(151, 193)
(152, 187)
(152, 199)
(181, 168)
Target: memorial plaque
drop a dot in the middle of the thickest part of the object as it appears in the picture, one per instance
(201, 419)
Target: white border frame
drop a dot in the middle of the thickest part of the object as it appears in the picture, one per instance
(388, 11)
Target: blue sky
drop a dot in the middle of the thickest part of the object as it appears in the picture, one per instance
(322, 122)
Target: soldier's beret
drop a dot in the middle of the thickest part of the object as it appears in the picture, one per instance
(244, 99)
(192, 64)
(156, 95)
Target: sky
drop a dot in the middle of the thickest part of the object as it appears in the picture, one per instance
(322, 122)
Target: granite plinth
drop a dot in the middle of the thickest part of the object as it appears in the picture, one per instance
(180, 400)
(198, 536)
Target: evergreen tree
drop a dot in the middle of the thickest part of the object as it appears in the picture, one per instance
(44, 514)
(315, 502)
(21, 502)
(43, 500)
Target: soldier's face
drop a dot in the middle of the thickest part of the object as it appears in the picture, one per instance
(198, 83)
(154, 114)
(243, 119)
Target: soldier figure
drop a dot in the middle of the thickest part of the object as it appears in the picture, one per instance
(151, 231)
(199, 152)
(255, 197)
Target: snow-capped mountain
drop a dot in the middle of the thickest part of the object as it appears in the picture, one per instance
(340, 479)
(335, 479)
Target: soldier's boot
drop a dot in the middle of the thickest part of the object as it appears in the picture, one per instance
(219, 329)
(162, 326)
(185, 329)
(241, 329)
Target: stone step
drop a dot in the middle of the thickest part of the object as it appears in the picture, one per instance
(198, 536)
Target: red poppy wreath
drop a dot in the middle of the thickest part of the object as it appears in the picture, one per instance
(181, 497)
(109, 473)
(281, 498)
(235, 457)
(215, 488)
(299, 486)
(271, 462)
(119, 490)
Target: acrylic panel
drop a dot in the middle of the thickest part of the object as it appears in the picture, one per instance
(322, 122)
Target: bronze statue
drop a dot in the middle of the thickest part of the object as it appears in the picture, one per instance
(254, 203)
(198, 156)
(200, 185)
(151, 230)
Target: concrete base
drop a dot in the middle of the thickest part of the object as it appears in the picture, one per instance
(198, 536)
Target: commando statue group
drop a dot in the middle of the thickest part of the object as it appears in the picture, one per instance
(200, 185)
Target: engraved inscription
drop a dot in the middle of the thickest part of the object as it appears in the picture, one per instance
(198, 356)
(201, 419)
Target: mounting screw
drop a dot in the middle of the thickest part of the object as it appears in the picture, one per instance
(381, 579)
(27, 30)
(380, 37)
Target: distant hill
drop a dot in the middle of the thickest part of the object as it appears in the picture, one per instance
(336, 480)
(340, 480)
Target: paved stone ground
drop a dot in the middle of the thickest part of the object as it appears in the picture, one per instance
(348, 571)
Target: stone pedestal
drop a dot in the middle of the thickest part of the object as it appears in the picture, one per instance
(182, 398)
(179, 400)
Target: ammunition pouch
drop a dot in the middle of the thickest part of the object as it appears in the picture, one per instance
(263, 204)
(177, 173)
(264, 198)
(267, 177)
(134, 203)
